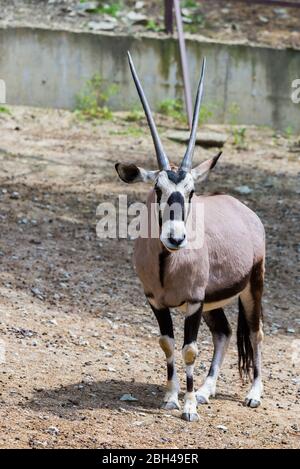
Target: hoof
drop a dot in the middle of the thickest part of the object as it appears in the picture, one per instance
(253, 403)
(202, 399)
(171, 405)
(190, 417)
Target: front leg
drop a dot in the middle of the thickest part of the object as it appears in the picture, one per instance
(190, 352)
(167, 343)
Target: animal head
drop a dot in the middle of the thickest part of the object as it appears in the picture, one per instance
(174, 187)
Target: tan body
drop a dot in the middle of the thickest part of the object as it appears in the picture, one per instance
(201, 273)
(234, 241)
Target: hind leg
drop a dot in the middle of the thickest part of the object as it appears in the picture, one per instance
(251, 301)
(221, 332)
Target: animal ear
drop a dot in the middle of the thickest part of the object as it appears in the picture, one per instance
(201, 171)
(131, 173)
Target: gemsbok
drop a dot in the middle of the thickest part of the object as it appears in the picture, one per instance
(199, 274)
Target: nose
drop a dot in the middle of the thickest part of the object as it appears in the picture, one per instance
(176, 241)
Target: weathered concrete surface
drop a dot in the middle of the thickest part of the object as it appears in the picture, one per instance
(244, 84)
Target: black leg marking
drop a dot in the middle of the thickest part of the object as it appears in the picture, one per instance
(191, 327)
(166, 341)
(218, 326)
(189, 383)
(170, 371)
(164, 320)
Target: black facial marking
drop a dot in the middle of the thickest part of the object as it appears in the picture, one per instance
(158, 198)
(162, 264)
(176, 177)
(191, 195)
(158, 193)
(176, 199)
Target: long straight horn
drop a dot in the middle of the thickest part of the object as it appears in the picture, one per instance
(162, 160)
(188, 157)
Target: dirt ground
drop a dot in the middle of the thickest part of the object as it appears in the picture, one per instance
(273, 25)
(75, 332)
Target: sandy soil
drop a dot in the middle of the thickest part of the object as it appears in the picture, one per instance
(218, 20)
(74, 328)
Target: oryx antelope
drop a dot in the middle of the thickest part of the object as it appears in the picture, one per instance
(200, 279)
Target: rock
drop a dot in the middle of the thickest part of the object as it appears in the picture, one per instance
(243, 190)
(263, 19)
(102, 25)
(53, 431)
(206, 139)
(281, 13)
(53, 322)
(86, 7)
(14, 195)
(290, 330)
(128, 398)
(23, 221)
(36, 292)
(222, 427)
(137, 18)
(139, 5)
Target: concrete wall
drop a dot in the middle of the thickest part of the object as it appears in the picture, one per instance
(244, 84)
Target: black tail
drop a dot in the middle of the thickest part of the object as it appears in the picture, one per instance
(245, 350)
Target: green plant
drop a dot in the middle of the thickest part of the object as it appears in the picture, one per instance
(172, 108)
(108, 8)
(4, 110)
(152, 25)
(91, 102)
(239, 137)
(131, 130)
(135, 115)
(111, 9)
(288, 132)
(205, 114)
(190, 4)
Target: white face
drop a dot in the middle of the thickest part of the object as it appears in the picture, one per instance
(174, 191)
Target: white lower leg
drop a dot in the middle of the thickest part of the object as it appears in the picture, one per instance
(170, 400)
(189, 412)
(171, 396)
(208, 389)
(254, 396)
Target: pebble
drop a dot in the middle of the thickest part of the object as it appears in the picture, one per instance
(222, 427)
(102, 25)
(14, 195)
(86, 6)
(243, 190)
(263, 19)
(137, 18)
(36, 292)
(53, 431)
(128, 398)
